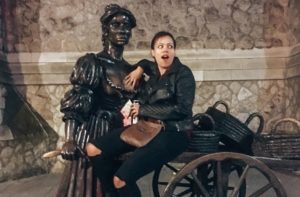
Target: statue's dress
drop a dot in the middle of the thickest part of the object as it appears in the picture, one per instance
(94, 102)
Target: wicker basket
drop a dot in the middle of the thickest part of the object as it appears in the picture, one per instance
(204, 138)
(277, 143)
(235, 135)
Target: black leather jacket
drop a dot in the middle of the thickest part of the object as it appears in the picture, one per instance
(169, 97)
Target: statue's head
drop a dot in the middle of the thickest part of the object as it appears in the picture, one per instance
(117, 23)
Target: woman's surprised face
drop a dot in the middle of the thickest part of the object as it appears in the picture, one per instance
(164, 51)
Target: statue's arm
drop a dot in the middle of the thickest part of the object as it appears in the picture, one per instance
(134, 78)
(78, 102)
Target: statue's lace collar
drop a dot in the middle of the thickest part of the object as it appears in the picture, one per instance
(104, 56)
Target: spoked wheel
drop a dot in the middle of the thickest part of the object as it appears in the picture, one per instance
(162, 177)
(259, 178)
(188, 185)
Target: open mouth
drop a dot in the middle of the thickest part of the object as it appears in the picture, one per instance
(165, 57)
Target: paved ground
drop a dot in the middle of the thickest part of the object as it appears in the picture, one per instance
(45, 186)
(38, 186)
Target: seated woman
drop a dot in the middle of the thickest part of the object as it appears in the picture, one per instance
(167, 96)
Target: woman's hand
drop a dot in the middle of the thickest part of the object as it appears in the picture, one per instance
(133, 78)
(134, 110)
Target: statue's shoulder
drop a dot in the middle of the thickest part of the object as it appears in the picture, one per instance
(87, 59)
(85, 67)
(104, 58)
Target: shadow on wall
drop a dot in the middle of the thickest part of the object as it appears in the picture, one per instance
(32, 138)
(27, 135)
(32, 135)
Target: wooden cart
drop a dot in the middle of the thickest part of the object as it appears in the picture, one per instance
(221, 174)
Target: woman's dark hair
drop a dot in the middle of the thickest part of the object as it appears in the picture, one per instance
(162, 34)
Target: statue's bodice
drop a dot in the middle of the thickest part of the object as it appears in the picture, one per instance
(98, 85)
(112, 92)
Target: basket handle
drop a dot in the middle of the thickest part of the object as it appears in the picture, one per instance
(261, 121)
(274, 127)
(200, 115)
(221, 102)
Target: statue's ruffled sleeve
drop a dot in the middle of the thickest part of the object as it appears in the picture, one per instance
(78, 102)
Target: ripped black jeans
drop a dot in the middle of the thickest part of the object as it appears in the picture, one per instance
(166, 146)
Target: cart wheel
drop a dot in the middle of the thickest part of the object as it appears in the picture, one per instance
(188, 186)
(162, 176)
(259, 178)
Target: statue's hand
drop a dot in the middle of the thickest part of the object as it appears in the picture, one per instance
(70, 151)
(133, 78)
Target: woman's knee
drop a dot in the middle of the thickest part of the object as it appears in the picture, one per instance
(92, 150)
(118, 183)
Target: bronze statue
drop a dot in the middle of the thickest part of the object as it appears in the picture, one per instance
(92, 107)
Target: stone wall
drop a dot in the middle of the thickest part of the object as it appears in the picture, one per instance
(73, 25)
(24, 134)
(24, 137)
(2, 30)
(226, 43)
(274, 99)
